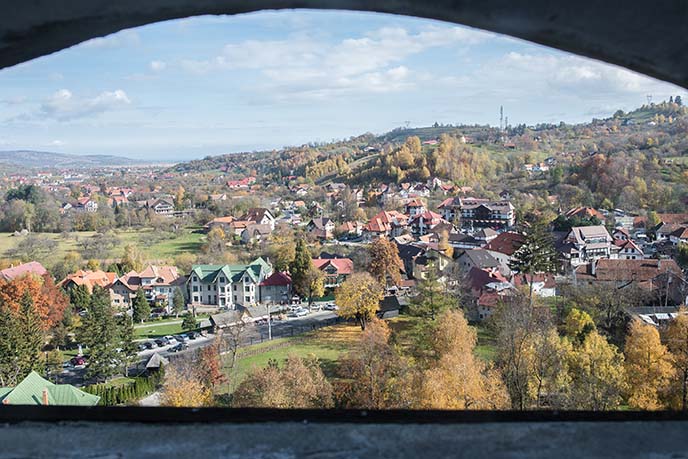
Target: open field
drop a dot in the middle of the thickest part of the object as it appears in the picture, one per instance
(326, 344)
(155, 246)
(330, 343)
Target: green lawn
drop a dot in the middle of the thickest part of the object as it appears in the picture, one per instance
(326, 344)
(155, 246)
(158, 330)
(116, 382)
(486, 348)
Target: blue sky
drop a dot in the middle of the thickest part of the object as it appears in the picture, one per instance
(219, 84)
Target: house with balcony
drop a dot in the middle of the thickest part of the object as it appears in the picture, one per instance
(336, 270)
(227, 286)
(585, 244)
(479, 213)
(421, 224)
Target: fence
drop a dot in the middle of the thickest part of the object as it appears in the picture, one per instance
(283, 331)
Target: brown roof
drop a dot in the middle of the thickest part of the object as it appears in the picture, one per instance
(507, 243)
(627, 270)
(90, 278)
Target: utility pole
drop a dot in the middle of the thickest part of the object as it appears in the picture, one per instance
(501, 118)
(269, 299)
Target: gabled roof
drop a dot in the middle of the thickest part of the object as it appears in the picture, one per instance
(343, 265)
(90, 278)
(227, 319)
(277, 279)
(627, 270)
(480, 258)
(33, 389)
(507, 243)
(31, 268)
(165, 274)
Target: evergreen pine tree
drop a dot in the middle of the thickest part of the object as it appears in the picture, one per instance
(141, 306)
(129, 352)
(535, 256)
(189, 322)
(101, 335)
(300, 268)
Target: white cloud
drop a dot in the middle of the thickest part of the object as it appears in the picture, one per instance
(63, 105)
(158, 66)
(568, 73)
(307, 66)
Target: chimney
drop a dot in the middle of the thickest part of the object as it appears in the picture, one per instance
(45, 397)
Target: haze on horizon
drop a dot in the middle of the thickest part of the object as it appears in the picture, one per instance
(210, 85)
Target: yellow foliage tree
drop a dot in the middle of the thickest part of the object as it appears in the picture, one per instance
(182, 390)
(648, 367)
(457, 379)
(597, 374)
(677, 342)
(359, 298)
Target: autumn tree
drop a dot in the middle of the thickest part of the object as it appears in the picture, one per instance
(359, 298)
(282, 247)
(49, 301)
(385, 264)
(677, 342)
(549, 381)
(312, 284)
(648, 367)
(215, 244)
(374, 374)
(597, 374)
(210, 366)
(132, 260)
(577, 325)
(457, 379)
(298, 383)
(183, 388)
(141, 307)
(515, 322)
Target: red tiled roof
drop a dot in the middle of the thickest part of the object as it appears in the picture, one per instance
(343, 265)
(32, 267)
(584, 212)
(277, 279)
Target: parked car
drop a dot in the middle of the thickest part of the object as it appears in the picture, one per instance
(161, 342)
(149, 344)
(171, 339)
(180, 338)
(142, 347)
(301, 312)
(179, 347)
(78, 361)
(331, 307)
(194, 335)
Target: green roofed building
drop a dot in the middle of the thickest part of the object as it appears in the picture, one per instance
(228, 286)
(35, 390)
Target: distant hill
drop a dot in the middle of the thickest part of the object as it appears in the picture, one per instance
(43, 159)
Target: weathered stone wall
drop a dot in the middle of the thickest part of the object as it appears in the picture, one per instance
(646, 36)
(345, 441)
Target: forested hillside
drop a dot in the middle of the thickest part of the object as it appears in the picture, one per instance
(630, 160)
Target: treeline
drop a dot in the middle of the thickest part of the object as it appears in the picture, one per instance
(128, 393)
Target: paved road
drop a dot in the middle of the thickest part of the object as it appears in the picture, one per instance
(252, 335)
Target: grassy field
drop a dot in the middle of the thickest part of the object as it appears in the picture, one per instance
(326, 344)
(158, 330)
(155, 246)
